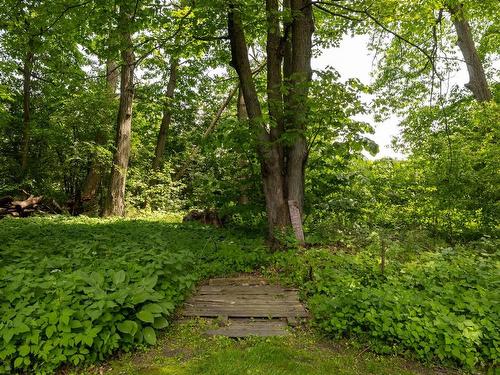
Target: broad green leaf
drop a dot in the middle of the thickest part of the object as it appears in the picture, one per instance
(119, 277)
(24, 350)
(153, 308)
(146, 316)
(128, 326)
(149, 335)
(160, 322)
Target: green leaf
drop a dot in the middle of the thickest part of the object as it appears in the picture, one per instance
(127, 326)
(149, 335)
(141, 297)
(153, 308)
(160, 322)
(24, 350)
(88, 340)
(18, 362)
(49, 331)
(7, 335)
(119, 277)
(146, 316)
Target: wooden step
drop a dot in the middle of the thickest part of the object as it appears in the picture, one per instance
(263, 328)
(245, 297)
(242, 281)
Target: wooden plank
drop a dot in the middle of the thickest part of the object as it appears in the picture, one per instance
(233, 312)
(241, 302)
(240, 289)
(269, 296)
(248, 280)
(257, 328)
(243, 308)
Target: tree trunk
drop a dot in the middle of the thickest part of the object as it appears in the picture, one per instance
(167, 116)
(301, 41)
(112, 75)
(115, 204)
(94, 176)
(27, 71)
(478, 84)
(241, 112)
(269, 154)
(241, 108)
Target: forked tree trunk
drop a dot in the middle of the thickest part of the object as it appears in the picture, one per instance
(26, 135)
(478, 84)
(94, 176)
(167, 116)
(269, 155)
(115, 203)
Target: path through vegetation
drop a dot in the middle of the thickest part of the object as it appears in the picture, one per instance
(247, 306)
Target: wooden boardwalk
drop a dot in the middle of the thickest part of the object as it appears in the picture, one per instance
(247, 306)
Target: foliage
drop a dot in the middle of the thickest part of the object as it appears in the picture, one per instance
(76, 290)
(435, 305)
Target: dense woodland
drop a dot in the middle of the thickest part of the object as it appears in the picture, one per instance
(210, 108)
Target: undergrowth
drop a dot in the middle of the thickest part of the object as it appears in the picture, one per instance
(437, 306)
(74, 290)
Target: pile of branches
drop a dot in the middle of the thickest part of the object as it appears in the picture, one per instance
(10, 206)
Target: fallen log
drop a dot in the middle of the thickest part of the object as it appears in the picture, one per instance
(31, 201)
(19, 208)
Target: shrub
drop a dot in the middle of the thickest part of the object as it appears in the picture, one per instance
(440, 305)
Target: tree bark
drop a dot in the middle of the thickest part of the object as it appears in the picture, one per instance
(269, 155)
(112, 75)
(478, 84)
(27, 71)
(301, 43)
(241, 108)
(167, 115)
(115, 204)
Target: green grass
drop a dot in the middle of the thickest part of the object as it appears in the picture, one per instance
(185, 350)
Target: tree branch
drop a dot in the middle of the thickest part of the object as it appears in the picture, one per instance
(384, 27)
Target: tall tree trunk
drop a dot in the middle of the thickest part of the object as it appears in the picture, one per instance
(167, 115)
(115, 204)
(241, 108)
(112, 75)
(27, 71)
(94, 176)
(241, 112)
(301, 42)
(478, 84)
(270, 160)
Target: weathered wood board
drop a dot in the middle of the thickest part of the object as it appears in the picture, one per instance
(244, 299)
(244, 328)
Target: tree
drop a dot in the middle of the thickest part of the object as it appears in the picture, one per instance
(478, 84)
(167, 115)
(281, 142)
(115, 204)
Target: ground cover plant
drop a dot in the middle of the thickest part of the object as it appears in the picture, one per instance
(439, 304)
(76, 290)
(259, 117)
